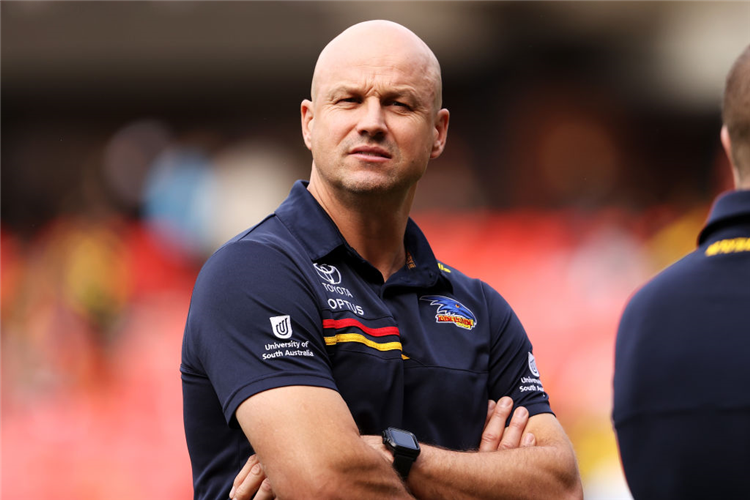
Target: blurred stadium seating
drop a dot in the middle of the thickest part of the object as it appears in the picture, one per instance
(137, 136)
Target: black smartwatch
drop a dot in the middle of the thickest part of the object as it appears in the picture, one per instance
(405, 449)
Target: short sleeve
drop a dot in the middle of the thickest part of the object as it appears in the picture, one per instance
(254, 325)
(513, 371)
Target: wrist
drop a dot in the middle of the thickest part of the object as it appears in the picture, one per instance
(430, 475)
(404, 449)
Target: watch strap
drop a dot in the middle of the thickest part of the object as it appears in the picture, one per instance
(402, 464)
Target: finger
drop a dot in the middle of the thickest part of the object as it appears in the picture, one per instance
(490, 410)
(250, 484)
(265, 492)
(528, 440)
(493, 431)
(240, 477)
(512, 435)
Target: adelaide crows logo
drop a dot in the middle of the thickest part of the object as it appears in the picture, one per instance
(451, 311)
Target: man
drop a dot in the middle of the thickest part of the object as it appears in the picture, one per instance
(681, 398)
(331, 322)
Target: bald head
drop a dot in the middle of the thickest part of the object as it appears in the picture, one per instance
(736, 117)
(379, 43)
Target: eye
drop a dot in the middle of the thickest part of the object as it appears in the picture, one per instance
(348, 100)
(400, 104)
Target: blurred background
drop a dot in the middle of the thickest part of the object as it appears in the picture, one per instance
(583, 157)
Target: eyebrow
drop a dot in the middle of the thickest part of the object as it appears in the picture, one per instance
(403, 92)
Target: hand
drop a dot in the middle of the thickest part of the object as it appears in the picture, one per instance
(496, 437)
(252, 480)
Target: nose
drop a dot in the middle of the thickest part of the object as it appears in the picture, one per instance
(372, 119)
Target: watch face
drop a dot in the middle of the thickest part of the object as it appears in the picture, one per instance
(403, 439)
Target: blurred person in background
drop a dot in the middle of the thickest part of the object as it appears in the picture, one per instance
(330, 342)
(681, 404)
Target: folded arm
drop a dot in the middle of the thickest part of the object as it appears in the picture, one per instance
(309, 447)
(508, 463)
(546, 470)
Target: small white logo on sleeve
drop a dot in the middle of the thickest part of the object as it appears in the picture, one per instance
(532, 365)
(282, 326)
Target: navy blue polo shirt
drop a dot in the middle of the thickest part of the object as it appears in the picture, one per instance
(682, 368)
(289, 302)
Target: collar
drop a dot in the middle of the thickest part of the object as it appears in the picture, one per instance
(309, 223)
(726, 208)
(315, 230)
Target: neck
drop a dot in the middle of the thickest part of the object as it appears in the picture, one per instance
(373, 224)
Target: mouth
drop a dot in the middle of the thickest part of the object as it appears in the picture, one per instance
(370, 153)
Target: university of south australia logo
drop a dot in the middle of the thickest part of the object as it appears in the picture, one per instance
(328, 273)
(451, 311)
(532, 366)
(281, 326)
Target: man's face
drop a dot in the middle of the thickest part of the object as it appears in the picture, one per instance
(372, 126)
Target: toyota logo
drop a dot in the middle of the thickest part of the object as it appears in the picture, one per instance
(328, 273)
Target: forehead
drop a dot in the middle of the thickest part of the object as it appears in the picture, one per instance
(381, 67)
(381, 75)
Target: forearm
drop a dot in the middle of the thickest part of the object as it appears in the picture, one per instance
(372, 477)
(308, 446)
(360, 473)
(538, 472)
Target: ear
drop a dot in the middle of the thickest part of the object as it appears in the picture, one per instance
(727, 143)
(306, 115)
(441, 133)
